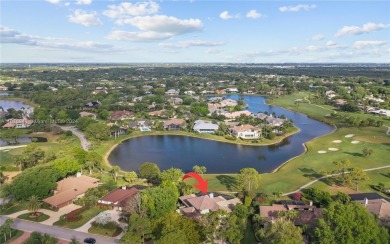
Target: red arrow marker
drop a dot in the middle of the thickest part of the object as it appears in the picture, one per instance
(202, 184)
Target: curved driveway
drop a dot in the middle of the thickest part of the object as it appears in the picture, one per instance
(84, 142)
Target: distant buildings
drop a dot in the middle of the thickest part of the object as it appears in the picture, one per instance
(174, 124)
(18, 123)
(245, 131)
(121, 115)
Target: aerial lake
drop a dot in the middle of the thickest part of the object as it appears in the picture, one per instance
(184, 152)
(17, 105)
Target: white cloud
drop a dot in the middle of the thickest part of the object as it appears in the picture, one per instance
(225, 15)
(191, 43)
(297, 8)
(54, 1)
(318, 37)
(356, 30)
(127, 9)
(144, 36)
(213, 51)
(330, 43)
(10, 36)
(84, 18)
(253, 14)
(363, 44)
(84, 2)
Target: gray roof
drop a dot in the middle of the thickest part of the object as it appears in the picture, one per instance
(205, 125)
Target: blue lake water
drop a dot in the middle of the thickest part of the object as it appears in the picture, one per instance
(184, 152)
(17, 105)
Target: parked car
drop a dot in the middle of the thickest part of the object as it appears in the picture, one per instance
(90, 240)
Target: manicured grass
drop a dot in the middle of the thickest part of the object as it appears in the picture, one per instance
(16, 208)
(249, 235)
(14, 235)
(40, 218)
(105, 232)
(87, 215)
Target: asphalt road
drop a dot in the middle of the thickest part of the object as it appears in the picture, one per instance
(84, 142)
(58, 232)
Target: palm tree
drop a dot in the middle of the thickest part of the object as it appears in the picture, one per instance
(34, 204)
(114, 171)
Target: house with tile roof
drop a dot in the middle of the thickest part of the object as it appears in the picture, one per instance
(193, 205)
(174, 124)
(118, 198)
(122, 115)
(245, 131)
(18, 123)
(70, 189)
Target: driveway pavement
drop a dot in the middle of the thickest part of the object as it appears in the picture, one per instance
(115, 215)
(84, 142)
(57, 232)
(54, 216)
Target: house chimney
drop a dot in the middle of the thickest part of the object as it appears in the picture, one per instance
(365, 201)
(124, 188)
(311, 203)
(78, 174)
(211, 195)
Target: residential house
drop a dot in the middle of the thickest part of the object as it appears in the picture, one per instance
(88, 114)
(51, 88)
(190, 93)
(138, 99)
(330, 94)
(92, 104)
(174, 124)
(172, 92)
(220, 92)
(340, 102)
(231, 90)
(381, 112)
(195, 206)
(228, 103)
(70, 189)
(202, 126)
(141, 124)
(3, 88)
(308, 214)
(121, 115)
(261, 116)
(146, 87)
(96, 92)
(237, 114)
(18, 123)
(175, 100)
(375, 204)
(245, 131)
(275, 122)
(160, 113)
(118, 198)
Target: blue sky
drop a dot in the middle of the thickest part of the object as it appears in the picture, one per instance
(194, 31)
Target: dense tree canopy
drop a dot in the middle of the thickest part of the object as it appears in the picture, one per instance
(280, 231)
(149, 171)
(160, 200)
(349, 223)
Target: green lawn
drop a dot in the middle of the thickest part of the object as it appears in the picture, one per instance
(105, 232)
(87, 215)
(40, 218)
(16, 208)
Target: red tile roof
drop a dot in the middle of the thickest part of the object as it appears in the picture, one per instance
(119, 197)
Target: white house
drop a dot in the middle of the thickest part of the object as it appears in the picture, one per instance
(202, 126)
(246, 131)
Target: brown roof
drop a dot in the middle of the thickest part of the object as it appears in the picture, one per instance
(119, 196)
(121, 114)
(174, 121)
(206, 202)
(378, 207)
(157, 113)
(12, 123)
(307, 214)
(69, 188)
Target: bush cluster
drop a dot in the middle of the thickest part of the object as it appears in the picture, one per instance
(75, 215)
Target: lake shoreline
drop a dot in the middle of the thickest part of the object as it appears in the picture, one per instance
(189, 134)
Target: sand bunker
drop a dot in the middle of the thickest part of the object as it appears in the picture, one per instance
(321, 151)
(337, 141)
(350, 135)
(355, 142)
(333, 149)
